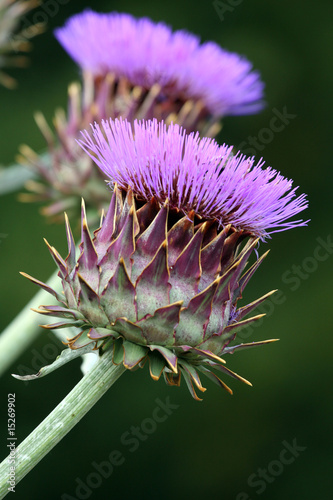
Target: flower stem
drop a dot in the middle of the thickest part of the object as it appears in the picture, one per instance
(14, 177)
(23, 330)
(58, 423)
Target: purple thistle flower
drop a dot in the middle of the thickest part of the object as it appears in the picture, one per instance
(160, 279)
(194, 174)
(147, 53)
(133, 69)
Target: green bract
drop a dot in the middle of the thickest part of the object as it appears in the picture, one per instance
(157, 286)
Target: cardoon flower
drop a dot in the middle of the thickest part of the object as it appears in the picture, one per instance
(160, 279)
(171, 69)
(11, 44)
(134, 68)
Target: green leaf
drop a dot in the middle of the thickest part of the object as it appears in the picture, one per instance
(118, 352)
(134, 353)
(156, 365)
(65, 356)
(167, 354)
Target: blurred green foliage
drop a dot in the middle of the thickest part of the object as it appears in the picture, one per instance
(215, 448)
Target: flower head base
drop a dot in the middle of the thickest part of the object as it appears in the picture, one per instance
(150, 55)
(155, 286)
(10, 13)
(194, 174)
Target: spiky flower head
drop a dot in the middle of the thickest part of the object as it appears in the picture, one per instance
(149, 54)
(135, 69)
(12, 44)
(161, 277)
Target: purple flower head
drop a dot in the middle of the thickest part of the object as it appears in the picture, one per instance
(194, 174)
(147, 53)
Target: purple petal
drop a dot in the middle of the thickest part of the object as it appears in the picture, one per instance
(194, 174)
(148, 53)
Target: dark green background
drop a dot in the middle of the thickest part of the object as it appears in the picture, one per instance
(207, 449)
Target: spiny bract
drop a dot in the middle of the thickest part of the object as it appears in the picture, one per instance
(158, 287)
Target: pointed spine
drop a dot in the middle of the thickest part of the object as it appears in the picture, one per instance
(240, 325)
(88, 258)
(244, 311)
(48, 289)
(248, 275)
(61, 264)
(71, 258)
(104, 234)
(232, 349)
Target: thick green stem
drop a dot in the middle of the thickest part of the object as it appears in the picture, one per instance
(23, 330)
(56, 425)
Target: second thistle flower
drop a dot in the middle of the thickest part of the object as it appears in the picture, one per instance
(134, 69)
